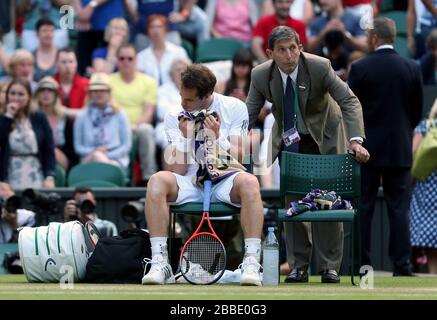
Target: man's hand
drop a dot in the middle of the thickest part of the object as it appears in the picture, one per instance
(9, 218)
(361, 153)
(212, 125)
(176, 17)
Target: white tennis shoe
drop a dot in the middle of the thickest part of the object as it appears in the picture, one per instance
(160, 271)
(250, 272)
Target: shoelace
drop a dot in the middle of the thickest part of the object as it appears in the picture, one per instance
(250, 265)
(153, 262)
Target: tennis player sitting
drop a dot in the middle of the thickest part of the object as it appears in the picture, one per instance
(222, 120)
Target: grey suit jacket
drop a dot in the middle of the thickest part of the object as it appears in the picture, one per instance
(330, 111)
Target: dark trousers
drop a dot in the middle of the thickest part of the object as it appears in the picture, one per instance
(327, 236)
(396, 184)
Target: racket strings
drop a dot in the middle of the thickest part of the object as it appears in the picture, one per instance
(204, 260)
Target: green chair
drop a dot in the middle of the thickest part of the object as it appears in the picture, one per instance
(189, 48)
(94, 184)
(401, 47)
(217, 49)
(400, 18)
(217, 209)
(60, 176)
(340, 173)
(387, 5)
(96, 171)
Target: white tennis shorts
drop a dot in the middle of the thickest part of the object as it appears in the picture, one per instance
(189, 192)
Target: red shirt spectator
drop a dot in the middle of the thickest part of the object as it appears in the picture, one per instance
(267, 23)
(75, 99)
(361, 7)
(72, 87)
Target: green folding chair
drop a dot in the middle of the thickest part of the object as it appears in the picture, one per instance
(401, 47)
(387, 5)
(60, 176)
(94, 184)
(97, 171)
(217, 49)
(300, 173)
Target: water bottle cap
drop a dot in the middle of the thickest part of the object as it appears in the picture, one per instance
(271, 229)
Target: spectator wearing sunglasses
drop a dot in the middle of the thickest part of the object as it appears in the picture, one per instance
(136, 93)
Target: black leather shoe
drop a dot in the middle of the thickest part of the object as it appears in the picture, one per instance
(297, 276)
(401, 273)
(404, 271)
(330, 276)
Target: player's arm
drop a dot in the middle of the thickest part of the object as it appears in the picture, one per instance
(177, 154)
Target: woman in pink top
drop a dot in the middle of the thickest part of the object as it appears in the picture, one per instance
(232, 19)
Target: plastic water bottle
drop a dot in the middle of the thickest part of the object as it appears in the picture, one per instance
(271, 259)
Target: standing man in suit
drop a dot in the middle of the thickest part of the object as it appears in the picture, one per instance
(390, 89)
(328, 118)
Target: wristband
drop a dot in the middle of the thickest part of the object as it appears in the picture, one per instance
(357, 139)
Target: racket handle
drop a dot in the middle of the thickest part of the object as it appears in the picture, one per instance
(207, 185)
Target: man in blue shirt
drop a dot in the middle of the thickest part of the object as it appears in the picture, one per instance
(335, 17)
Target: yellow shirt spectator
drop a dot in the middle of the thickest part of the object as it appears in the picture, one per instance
(133, 96)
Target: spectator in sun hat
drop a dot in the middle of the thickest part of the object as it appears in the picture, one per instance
(101, 130)
(48, 101)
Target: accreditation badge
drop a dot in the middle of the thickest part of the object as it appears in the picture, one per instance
(290, 136)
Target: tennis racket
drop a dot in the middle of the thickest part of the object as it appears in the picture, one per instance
(203, 257)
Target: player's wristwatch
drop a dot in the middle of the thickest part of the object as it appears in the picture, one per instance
(93, 3)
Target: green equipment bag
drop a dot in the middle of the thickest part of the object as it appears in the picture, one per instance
(425, 160)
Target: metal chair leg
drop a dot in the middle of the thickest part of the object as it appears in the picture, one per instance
(352, 248)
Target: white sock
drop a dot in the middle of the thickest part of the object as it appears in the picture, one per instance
(252, 247)
(159, 247)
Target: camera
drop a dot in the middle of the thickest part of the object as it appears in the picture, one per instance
(133, 211)
(43, 203)
(11, 204)
(86, 206)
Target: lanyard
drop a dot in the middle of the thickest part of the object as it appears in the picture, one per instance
(295, 103)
